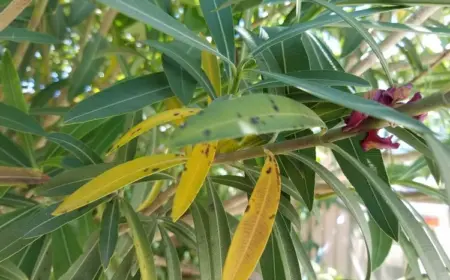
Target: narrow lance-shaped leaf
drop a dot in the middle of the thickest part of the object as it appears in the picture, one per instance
(175, 50)
(289, 258)
(21, 176)
(43, 267)
(116, 178)
(11, 272)
(203, 233)
(181, 82)
(303, 256)
(15, 119)
(150, 14)
(271, 262)
(173, 263)
(11, 154)
(442, 155)
(141, 243)
(211, 67)
(76, 147)
(109, 232)
(349, 198)
(247, 115)
(65, 249)
(220, 237)
(153, 121)
(221, 26)
(193, 177)
(427, 252)
(255, 227)
(88, 264)
(19, 35)
(351, 101)
(381, 244)
(126, 96)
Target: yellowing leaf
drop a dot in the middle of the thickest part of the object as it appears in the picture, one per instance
(227, 146)
(141, 243)
(193, 176)
(153, 121)
(151, 196)
(116, 178)
(211, 68)
(254, 229)
(174, 103)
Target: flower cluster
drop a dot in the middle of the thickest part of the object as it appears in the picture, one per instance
(391, 97)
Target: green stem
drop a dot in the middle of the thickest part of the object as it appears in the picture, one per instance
(427, 104)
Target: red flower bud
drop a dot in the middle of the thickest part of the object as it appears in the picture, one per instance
(373, 141)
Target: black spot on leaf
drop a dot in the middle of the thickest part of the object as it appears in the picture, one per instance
(254, 120)
(239, 115)
(207, 132)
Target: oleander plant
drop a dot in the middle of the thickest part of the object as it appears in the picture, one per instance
(192, 139)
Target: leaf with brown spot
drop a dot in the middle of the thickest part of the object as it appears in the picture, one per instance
(192, 179)
(116, 178)
(154, 121)
(254, 230)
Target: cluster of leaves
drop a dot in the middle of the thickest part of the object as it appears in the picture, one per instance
(135, 102)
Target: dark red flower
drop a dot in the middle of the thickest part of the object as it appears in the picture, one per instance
(373, 141)
(390, 97)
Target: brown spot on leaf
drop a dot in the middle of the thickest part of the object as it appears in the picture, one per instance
(247, 208)
(207, 151)
(156, 169)
(146, 169)
(269, 170)
(271, 217)
(185, 168)
(176, 114)
(254, 120)
(207, 132)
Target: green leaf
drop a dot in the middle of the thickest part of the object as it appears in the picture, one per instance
(89, 66)
(348, 18)
(79, 11)
(150, 14)
(381, 245)
(27, 258)
(290, 54)
(58, 23)
(65, 250)
(177, 51)
(218, 224)
(411, 256)
(288, 256)
(15, 119)
(43, 222)
(324, 77)
(77, 148)
(349, 198)
(109, 232)
(19, 35)
(394, 2)
(173, 263)
(49, 111)
(124, 97)
(377, 207)
(221, 26)
(11, 154)
(351, 43)
(182, 231)
(43, 267)
(16, 201)
(247, 115)
(302, 256)
(299, 28)
(141, 242)
(442, 156)
(296, 172)
(204, 250)
(124, 269)
(105, 135)
(11, 271)
(353, 102)
(180, 81)
(271, 261)
(12, 89)
(426, 250)
(41, 98)
(88, 264)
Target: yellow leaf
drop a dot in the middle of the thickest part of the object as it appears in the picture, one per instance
(227, 146)
(153, 121)
(151, 196)
(193, 176)
(254, 229)
(116, 178)
(211, 68)
(174, 103)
